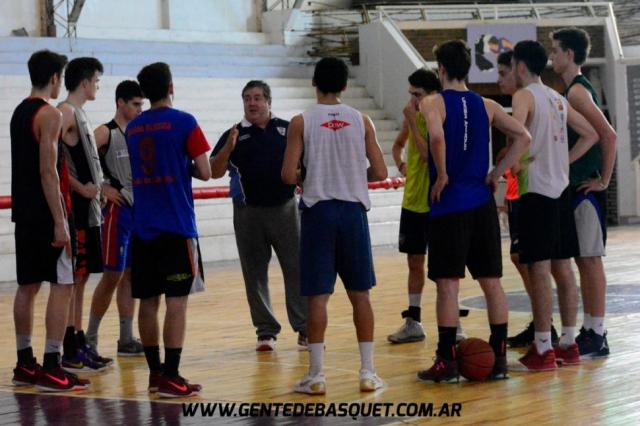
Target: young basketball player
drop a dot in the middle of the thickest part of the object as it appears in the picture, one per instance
(547, 229)
(40, 205)
(414, 217)
(334, 141)
(81, 80)
(463, 217)
(508, 86)
(589, 178)
(166, 148)
(116, 229)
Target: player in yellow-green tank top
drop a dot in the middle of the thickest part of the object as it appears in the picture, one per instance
(414, 219)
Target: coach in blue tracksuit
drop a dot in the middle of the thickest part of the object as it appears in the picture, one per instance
(265, 215)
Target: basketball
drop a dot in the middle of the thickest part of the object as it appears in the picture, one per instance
(475, 359)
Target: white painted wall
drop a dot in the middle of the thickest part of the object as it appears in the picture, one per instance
(214, 15)
(631, 51)
(135, 19)
(288, 26)
(185, 15)
(18, 14)
(615, 86)
(386, 61)
(628, 172)
(139, 14)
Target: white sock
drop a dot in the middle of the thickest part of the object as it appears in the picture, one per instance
(415, 299)
(597, 325)
(316, 358)
(568, 336)
(586, 321)
(366, 355)
(542, 340)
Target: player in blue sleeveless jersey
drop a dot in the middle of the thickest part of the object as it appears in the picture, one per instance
(465, 230)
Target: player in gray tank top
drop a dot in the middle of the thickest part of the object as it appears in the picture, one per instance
(116, 230)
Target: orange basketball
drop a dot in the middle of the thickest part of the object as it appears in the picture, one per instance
(475, 359)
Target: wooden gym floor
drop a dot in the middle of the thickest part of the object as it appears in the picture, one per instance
(219, 353)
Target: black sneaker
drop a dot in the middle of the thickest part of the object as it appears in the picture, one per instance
(500, 369)
(92, 353)
(442, 370)
(525, 337)
(593, 345)
(522, 339)
(582, 335)
(26, 374)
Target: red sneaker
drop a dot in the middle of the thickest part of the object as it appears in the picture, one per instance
(58, 380)
(154, 380)
(533, 361)
(567, 356)
(27, 374)
(266, 344)
(176, 387)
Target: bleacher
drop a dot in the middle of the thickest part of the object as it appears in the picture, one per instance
(208, 82)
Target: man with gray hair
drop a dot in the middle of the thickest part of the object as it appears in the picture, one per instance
(264, 211)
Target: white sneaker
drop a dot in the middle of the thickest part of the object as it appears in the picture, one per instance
(369, 381)
(266, 344)
(311, 385)
(411, 331)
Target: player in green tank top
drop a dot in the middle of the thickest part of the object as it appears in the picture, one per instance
(589, 178)
(590, 165)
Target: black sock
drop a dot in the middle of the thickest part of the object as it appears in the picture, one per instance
(447, 342)
(413, 312)
(25, 356)
(498, 339)
(69, 344)
(152, 353)
(51, 361)
(171, 361)
(81, 340)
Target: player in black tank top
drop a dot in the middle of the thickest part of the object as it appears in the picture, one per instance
(83, 175)
(28, 201)
(81, 81)
(41, 234)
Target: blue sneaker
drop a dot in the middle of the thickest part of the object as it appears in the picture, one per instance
(82, 363)
(592, 345)
(93, 354)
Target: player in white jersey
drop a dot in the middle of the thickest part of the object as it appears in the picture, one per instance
(334, 142)
(547, 229)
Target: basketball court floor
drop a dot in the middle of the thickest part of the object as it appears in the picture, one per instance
(219, 354)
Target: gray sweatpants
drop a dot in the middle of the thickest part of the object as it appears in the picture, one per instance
(257, 230)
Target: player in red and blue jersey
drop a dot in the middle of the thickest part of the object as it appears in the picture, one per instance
(166, 149)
